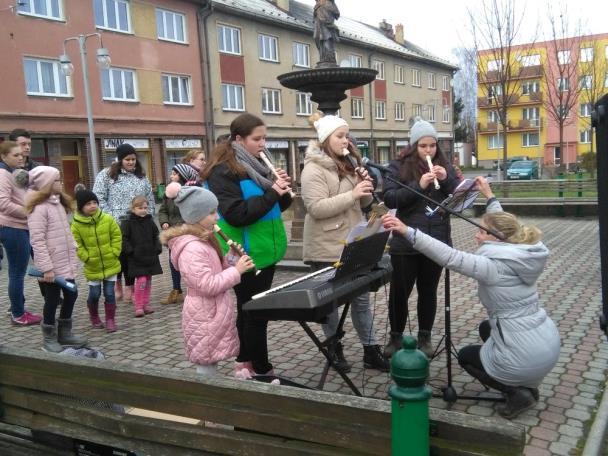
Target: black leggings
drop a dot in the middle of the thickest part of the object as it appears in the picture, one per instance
(470, 354)
(407, 271)
(253, 330)
(52, 300)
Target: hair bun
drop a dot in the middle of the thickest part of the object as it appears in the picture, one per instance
(172, 190)
(22, 178)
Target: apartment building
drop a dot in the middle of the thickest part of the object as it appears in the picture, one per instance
(561, 76)
(251, 42)
(150, 96)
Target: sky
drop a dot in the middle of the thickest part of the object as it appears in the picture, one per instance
(440, 25)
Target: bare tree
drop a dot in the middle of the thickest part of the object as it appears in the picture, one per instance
(465, 88)
(562, 85)
(496, 29)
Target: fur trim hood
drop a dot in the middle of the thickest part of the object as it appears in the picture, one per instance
(314, 154)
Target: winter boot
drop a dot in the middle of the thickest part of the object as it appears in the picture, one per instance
(519, 399)
(49, 339)
(146, 297)
(172, 298)
(339, 360)
(65, 335)
(94, 315)
(424, 343)
(394, 344)
(118, 290)
(110, 316)
(485, 379)
(374, 359)
(128, 294)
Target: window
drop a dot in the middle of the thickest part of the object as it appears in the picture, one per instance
(445, 84)
(44, 77)
(586, 136)
(493, 117)
(268, 48)
(399, 110)
(50, 9)
(563, 57)
(430, 111)
(562, 112)
(301, 54)
(563, 84)
(112, 15)
(118, 84)
(494, 65)
(446, 115)
(530, 60)
(585, 81)
(415, 77)
(606, 80)
(529, 87)
(494, 91)
(355, 60)
(379, 67)
(495, 141)
(229, 39)
(586, 54)
(416, 110)
(532, 115)
(303, 104)
(271, 101)
(431, 78)
(170, 26)
(529, 139)
(380, 110)
(176, 89)
(399, 74)
(586, 109)
(233, 97)
(356, 108)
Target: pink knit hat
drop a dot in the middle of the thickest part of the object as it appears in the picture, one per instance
(41, 176)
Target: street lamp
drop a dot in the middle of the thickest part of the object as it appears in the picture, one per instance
(103, 62)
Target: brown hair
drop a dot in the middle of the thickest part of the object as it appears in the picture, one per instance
(138, 201)
(115, 168)
(514, 232)
(411, 164)
(344, 165)
(44, 194)
(6, 147)
(191, 155)
(243, 125)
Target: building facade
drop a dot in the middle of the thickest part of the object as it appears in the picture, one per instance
(547, 80)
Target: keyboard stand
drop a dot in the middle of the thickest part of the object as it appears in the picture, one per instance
(327, 347)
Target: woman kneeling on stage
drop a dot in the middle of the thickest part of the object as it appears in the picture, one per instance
(521, 343)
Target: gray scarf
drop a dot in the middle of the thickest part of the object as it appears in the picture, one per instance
(256, 168)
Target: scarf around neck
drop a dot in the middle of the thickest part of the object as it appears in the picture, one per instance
(256, 168)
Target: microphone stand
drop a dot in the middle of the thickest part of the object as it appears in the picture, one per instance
(448, 392)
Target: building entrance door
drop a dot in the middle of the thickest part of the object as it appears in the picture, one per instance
(70, 169)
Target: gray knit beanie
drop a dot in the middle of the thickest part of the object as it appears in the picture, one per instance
(195, 203)
(421, 129)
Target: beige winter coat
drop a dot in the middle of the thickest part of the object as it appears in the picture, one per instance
(331, 209)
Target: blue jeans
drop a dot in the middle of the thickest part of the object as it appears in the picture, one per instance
(95, 293)
(16, 244)
(176, 277)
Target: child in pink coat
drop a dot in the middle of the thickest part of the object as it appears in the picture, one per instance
(208, 316)
(54, 254)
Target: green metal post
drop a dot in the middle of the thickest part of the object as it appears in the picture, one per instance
(409, 401)
(579, 184)
(560, 193)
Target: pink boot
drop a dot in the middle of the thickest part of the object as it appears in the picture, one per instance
(147, 291)
(128, 293)
(139, 296)
(110, 315)
(94, 315)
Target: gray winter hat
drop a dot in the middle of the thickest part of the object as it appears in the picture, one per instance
(421, 129)
(195, 203)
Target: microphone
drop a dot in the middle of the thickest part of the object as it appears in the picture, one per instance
(367, 162)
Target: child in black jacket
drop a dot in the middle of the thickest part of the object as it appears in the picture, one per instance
(141, 246)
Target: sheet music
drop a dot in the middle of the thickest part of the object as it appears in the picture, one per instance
(463, 197)
(362, 230)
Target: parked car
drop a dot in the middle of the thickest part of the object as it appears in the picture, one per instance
(510, 161)
(523, 169)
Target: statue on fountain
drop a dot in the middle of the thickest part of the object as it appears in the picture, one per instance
(326, 32)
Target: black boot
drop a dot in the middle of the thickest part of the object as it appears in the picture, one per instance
(424, 343)
(339, 360)
(394, 344)
(65, 336)
(374, 359)
(518, 400)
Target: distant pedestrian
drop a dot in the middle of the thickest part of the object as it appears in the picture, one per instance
(24, 139)
(197, 159)
(14, 233)
(168, 216)
(99, 242)
(141, 248)
(208, 317)
(54, 248)
(116, 187)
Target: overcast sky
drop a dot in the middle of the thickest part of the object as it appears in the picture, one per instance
(440, 25)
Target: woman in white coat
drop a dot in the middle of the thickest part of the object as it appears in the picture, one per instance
(521, 343)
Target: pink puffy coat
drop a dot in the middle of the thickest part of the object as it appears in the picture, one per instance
(208, 316)
(52, 240)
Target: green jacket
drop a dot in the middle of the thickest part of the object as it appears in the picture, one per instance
(99, 243)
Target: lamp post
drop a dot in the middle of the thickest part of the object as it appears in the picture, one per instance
(103, 62)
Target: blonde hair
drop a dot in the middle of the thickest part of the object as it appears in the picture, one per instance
(514, 232)
(138, 201)
(44, 194)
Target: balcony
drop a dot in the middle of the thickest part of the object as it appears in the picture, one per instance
(529, 72)
(484, 128)
(513, 126)
(490, 102)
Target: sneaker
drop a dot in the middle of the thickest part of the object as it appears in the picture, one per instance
(26, 319)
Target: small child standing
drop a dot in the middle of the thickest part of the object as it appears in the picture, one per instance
(54, 254)
(141, 247)
(99, 242)
(208, 317)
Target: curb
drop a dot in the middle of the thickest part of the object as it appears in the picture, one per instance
(597, 433)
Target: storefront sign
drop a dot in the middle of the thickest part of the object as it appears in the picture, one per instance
(362, 144)
(277, 144)
(303, 142)
(113, 143)
(383, 144)
(401, 143)
(182, 143)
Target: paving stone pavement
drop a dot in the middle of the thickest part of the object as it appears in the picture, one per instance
(569, 288)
